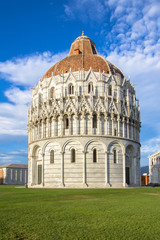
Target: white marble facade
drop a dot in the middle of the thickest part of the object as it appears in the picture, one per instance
(154, 168)
(83, 131)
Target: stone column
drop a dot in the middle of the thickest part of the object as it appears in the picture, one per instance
(98, 123)
(77, 125)
(127, 127)
(43, 169)
(106, 124)
(62, 169)
(54, 124)
(123, 122)
(106, 170)
(32, 170)
(118, 130)
(91, 124)
(135, 168)
(112, 119)
(48, 126)
(61, 125)
(39, 135)
(70, 125)
(133, 131)
(84, 169)
(34, 131)
(43, 128)
(124, 169)
(83, 124)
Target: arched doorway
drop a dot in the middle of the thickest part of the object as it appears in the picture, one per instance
(130, 165)
(37, 166)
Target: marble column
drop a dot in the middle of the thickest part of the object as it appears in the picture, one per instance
(76, 123)
(48, 127)
(83, 124)
(91, 124)
(98, 123)
(106, 124)
(124, 169)
(106, 170)
(123, 122)
(62, 169)
(54, 126)
(70, 125)
(133, 130)
(135, 168)
(61, 125)
(118, 130)
(127, 128)
(112, 120)
(84, 169)
(43, 169)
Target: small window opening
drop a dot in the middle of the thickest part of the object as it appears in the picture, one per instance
(94, 155)
(66, 123)
(110, 90)
(73, 155)
(115, 156)
(52, 156)
(94, 121)
(71, 89)
(90, 87)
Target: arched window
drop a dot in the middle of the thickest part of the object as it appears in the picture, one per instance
(110, 90)
(90, 87)
(94, 121)
(71, 89)
(114, 156)
(66, 123)
(52, 92)
(94, 155)
(73, 155)
(52, 156)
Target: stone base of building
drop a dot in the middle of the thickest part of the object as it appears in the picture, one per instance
(83, 186)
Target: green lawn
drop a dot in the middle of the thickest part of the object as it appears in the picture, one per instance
(79, 214)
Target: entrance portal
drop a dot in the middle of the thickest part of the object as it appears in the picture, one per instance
(127, 176)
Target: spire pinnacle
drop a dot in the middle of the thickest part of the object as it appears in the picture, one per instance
(82, 32)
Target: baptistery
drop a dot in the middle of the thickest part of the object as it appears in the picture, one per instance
(83, 124)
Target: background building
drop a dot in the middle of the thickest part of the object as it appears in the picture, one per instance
(154, 167)
(14, 174)
(84, 124)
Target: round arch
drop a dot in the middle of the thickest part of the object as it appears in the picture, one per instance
(95, 140)
(116, 142)
(48, 142)
(69, 141)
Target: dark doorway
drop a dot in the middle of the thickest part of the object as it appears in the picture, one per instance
(127, 175)
(39, 174)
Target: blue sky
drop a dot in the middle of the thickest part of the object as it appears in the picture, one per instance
(35, 34)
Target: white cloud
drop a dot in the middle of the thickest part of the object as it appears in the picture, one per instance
(18, 96)
(28, 70)
(13, 157)
(25, 72)
(151, 146)
(86, 10)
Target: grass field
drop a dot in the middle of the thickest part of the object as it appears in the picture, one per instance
(79, 214)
